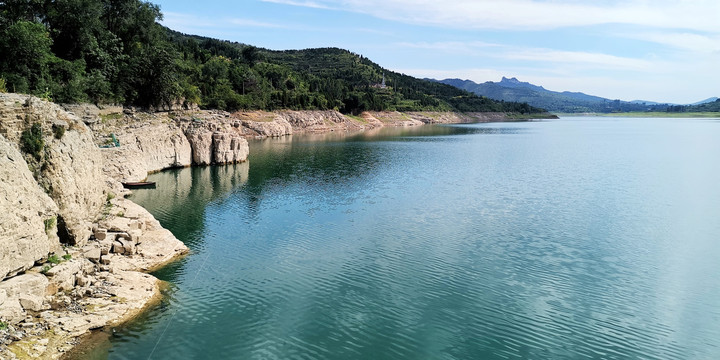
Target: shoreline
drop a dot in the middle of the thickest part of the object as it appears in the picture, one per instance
(104, 286)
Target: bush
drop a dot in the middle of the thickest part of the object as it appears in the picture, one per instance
(32, 141)
(59, 131)
(54, 259)
(49, 224)
(3, 84)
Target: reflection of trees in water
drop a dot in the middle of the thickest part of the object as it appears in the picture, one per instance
(181, 195)
(318, 167)
(316, 164)
(331, 162)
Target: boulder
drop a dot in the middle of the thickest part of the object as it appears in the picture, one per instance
(30, 284)
(33, 303)
(11, 311)
(63, 275)
(94, 255)
(100, 234)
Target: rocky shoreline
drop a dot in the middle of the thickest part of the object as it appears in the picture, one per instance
(73, 251)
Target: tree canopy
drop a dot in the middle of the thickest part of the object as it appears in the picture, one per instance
(114, 51)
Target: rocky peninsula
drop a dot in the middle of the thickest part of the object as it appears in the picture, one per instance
(74, 252)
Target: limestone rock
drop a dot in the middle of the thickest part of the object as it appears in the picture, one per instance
(63, 274)
(229, 148)
(100, 234)
(94, 255)
(276, 128)
(31, 283)
(145, 146)
(201, 142)
(71, 167)
(219, 147)
(23, 238)
(11, 311)
(318, 121)
(74, 168)
(33, 303)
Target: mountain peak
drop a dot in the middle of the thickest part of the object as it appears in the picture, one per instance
(512, 80)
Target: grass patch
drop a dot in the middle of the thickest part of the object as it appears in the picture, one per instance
(58, 131)
(50, 224)
(357, 118)
(3, 325)
(54, 259)
(107, 117)
(32, 141)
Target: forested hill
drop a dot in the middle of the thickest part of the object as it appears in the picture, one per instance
(569, 102)
(113, 51)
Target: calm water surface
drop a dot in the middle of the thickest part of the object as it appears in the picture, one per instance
(593, 238)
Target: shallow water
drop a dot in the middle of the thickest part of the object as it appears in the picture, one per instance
(580, 238)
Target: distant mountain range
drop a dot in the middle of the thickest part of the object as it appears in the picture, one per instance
(513, 89)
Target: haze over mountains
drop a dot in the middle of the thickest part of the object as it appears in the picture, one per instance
(512, 89)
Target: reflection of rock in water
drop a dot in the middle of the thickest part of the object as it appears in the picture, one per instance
(181, 195)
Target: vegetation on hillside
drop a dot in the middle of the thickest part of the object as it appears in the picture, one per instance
(567, 102)
(113, 51)
(706, 107)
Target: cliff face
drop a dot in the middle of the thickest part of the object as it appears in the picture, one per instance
(144, 147)
(26, 211)
(55, 193)
(69, 168)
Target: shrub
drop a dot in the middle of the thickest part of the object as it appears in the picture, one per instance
(54, 259)
(49, 224)
(32, 141)
(67, 257)
(3, 85)
(59, 131)
(3, 325)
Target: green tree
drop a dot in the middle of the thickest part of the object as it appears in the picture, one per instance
(24, 55)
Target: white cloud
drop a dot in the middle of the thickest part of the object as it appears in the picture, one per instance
(699, 15)
(578, 59)
(310, 4)
(183, 22)
(685, 41)
(584, 59)
(253, 23)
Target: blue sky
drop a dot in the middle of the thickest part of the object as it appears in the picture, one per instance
(657, 50)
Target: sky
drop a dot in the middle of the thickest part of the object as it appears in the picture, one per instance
(654, 50)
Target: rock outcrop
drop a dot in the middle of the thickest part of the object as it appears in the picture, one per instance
(276, 128)
(224, 145)
(56, 192)
(146, 145)
(320, 121)
(27, 213)
(69, 165)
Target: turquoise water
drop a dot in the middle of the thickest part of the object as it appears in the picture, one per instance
(592, 238)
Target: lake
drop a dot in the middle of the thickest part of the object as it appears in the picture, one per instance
(593, 238)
